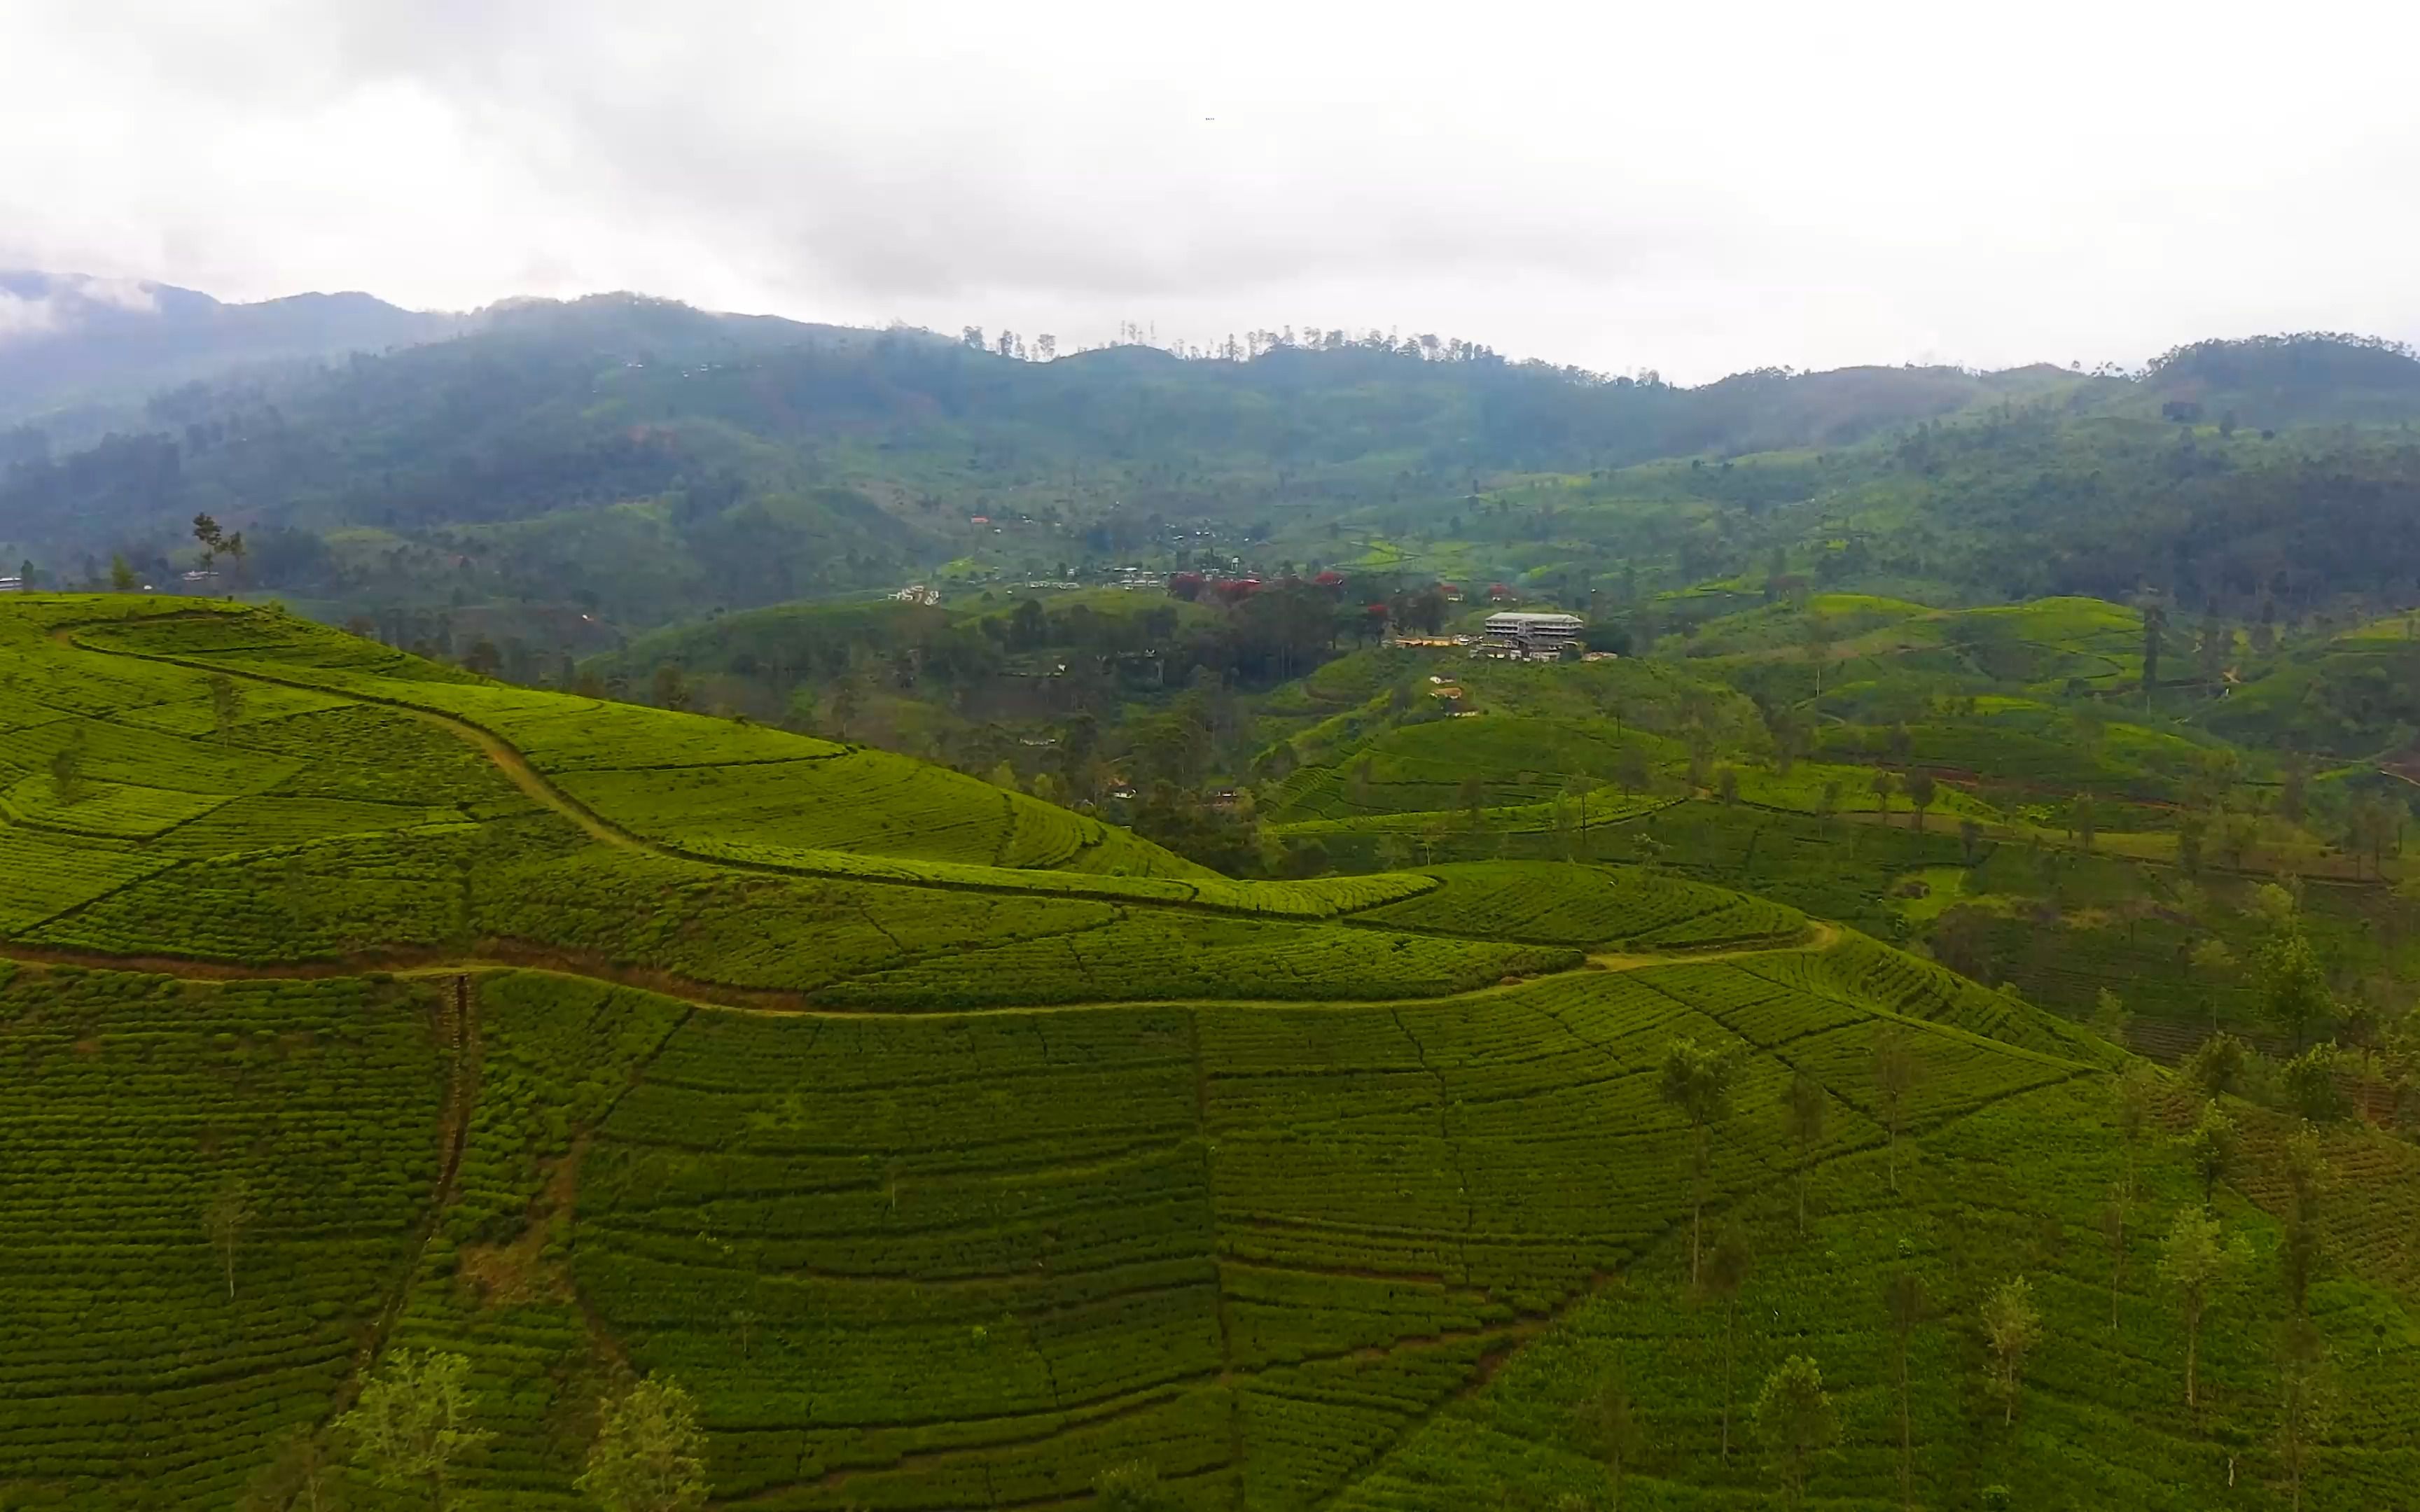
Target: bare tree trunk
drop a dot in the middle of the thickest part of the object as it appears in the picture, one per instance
(1730, 1311)
(1906, 1438)
(1697, 1203)
(1696, 1211)
(1805, 1156)
(2192, 1346)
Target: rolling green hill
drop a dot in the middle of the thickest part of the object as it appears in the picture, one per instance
(952, 1149)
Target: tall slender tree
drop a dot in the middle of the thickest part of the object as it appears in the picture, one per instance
(2303, 1395)
(1795, 1414)
(2307, 1176)
(1817, 638)
(1804, 1108)
(2114, 1215)
(2197, 1262)
(1904, 1300)
(2155, 620)
(1921, 791)
(226, 703)
(66, 770)
(224, 1219)
(1726, 1268)
(1697, 1084)
(2012, 1326)
(1896, 1072)
(1608, 1423)
(2212, 1147)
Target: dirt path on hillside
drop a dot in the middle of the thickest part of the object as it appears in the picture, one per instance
(519, 772)
(508, 758)
(493, 956)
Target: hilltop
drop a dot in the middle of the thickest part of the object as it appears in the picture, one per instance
(952, 1148)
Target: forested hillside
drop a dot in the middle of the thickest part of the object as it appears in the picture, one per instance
(561, 475)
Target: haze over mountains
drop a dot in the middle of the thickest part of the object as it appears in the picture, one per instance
(76, 350)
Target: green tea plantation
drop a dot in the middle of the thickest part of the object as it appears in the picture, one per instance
(954, 1150)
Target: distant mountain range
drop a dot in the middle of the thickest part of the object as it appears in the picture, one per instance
(635, 460)
(77, 352)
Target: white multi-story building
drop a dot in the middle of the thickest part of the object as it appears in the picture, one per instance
(1533, 635)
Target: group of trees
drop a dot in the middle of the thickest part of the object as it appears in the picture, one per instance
(2198, 1261)
(1792, 1410)
(412, 1427)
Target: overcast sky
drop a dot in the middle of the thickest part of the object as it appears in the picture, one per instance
(1692, 188)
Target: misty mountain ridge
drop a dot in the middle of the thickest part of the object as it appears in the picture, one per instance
(648, 460)
(79, 353)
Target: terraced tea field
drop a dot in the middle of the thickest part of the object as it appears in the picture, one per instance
(947, 1167)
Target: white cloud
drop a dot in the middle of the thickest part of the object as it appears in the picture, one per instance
(67, 302)
(1692, 188)
(20, 316)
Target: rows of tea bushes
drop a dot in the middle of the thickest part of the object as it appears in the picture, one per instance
(1322, 898)
(110, 810)
(1421, 767)
(362, 751)
(1310, 1428)
(240, 826)
(753, 930)
(1589, 905)
(1164, 954)
(1029, 1175)
(360, 893)
(1866, 972)
(129, 1106)
(42, 874)
(537, 1373)
(259, 710)
(957, 1234)
(901, 1256)
(1841, 867)
(667, 774)
(534, 880)
(857, 799)
(555, 1053)
(2014, 1187)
